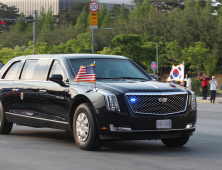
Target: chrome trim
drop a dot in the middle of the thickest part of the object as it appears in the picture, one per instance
(36, 118)
(161, 93)
(162, 100)
(165, 130)
(42, 91)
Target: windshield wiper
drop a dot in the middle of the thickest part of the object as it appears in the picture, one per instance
(103, 78)
(131, 78)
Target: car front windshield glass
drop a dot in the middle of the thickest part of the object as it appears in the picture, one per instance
(110, 68)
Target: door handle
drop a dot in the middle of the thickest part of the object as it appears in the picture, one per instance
(15, 89)
(42, 91)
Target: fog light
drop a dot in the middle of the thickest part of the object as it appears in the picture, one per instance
(190, 125)
(122, 128)
(113, 128)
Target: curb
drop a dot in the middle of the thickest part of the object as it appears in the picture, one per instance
(208, 101)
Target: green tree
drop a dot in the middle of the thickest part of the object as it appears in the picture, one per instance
(63, 17)
(200, 59)
(101, 15)
(77, 9)
(132, 46)
(139, 2)
(49, 21)
(20, 26)
(124, 12)
(106, 21)
(115, 10)
(7, 12)
(173, 52)
(82, 19)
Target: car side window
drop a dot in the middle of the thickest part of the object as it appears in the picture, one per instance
(12, 72)
(58, 69)
(28, 70)
(41, 68)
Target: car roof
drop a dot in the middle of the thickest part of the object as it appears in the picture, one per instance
(73, 56)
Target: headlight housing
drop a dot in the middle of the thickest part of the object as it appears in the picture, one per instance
(111, 101)
(193, 101)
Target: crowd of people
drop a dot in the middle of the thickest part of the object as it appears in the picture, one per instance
(213, 86)
(204, 79)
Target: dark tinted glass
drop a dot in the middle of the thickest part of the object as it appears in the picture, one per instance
(41, 68)
(154, 76)
(12, 72)
(110, 68)
(1, 65)
(58, 69)
(28, 70)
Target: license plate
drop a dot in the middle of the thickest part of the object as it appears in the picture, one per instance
(164, 124)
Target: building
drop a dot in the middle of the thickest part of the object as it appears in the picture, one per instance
(28, 6)
(110, 3)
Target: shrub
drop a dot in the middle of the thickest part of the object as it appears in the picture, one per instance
(196, 86)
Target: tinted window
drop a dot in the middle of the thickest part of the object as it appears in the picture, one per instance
(1, 65)
(41, 68)
(12, 72)
(28, 70)
(58, 69)
(110, 68)
(154, 76)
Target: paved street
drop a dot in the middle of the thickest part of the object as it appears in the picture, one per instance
(35, 149)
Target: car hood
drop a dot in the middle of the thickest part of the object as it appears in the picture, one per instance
(127, 86)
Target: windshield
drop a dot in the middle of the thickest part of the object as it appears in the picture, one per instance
(110, 68)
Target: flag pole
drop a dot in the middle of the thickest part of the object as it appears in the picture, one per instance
(95, 73)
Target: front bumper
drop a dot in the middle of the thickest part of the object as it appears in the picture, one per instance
(143, 127)
(147, 134)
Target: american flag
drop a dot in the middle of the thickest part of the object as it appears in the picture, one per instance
(86, 74)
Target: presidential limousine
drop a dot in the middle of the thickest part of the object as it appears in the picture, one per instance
(123, 103)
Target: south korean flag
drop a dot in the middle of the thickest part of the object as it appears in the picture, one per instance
(177, 73)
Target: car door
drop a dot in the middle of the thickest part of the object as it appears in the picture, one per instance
(11, 73)
(52, 99)
(40, 75)
(22, 95)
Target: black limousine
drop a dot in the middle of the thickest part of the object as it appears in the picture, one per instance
(124, 103)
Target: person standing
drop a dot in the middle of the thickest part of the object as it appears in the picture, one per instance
(221, 88)
(204, 80)
(213, 87)
(188, 82)
(158, 77)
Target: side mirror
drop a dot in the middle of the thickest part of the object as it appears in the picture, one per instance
(57, 78)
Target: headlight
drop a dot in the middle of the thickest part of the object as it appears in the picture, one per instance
(111, 101)
(193, 101)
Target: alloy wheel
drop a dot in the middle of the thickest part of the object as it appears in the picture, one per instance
(82, 127)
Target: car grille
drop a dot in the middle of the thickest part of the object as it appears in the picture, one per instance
(151, 103)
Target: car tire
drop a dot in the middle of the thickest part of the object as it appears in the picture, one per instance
(179, 141)
(5, 126)
(85, 129)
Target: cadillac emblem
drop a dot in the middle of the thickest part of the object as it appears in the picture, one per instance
(163, 100)
(22, 95)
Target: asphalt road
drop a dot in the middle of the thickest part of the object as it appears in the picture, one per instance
(36, 149)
